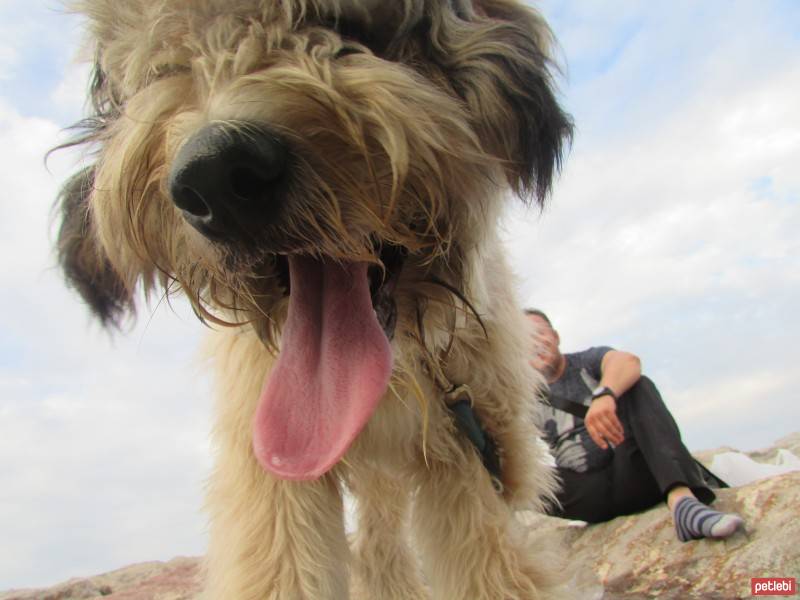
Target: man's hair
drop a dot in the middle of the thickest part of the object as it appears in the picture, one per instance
(536, 312)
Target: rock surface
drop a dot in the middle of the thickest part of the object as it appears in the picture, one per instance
(640, 557)
(178, 579)
(628, 558)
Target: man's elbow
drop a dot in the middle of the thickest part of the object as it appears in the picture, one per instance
(629, 363)
(634, 364)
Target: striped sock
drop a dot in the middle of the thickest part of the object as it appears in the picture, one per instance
(694, 520)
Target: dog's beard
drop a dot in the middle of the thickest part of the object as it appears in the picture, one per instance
(334, 366)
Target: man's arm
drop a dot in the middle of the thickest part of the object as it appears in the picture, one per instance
(619, 372)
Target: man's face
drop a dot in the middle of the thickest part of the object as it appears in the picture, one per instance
(546, 355)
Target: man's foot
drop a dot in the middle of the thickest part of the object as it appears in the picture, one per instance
(695, 520)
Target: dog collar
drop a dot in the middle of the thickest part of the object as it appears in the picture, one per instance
(459, 401)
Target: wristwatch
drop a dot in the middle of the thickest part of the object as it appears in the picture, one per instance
(603, 390)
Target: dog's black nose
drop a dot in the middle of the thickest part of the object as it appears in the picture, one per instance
(227, 178)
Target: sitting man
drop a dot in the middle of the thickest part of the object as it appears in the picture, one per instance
(616, 446)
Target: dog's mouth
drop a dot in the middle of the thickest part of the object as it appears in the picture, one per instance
(334, 364)
(382, 282)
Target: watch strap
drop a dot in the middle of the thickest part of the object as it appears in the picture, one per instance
(604, 391)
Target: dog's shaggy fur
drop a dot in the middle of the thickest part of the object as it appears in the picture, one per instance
(404, 124)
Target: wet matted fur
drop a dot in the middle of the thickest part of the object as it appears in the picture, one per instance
(394, 132)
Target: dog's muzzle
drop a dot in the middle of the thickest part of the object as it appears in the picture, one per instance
(228, 180)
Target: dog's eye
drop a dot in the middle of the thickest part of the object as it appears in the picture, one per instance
(347, 51)
(353, 31)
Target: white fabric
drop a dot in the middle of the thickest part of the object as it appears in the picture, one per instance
(738, 469)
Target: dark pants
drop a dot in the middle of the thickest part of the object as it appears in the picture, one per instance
(648, 464)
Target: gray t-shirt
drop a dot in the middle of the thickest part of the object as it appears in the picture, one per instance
(572, 446)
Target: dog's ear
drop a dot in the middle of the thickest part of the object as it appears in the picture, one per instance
(85, 264)
(501, 65)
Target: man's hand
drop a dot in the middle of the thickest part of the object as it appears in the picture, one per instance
(602, 422)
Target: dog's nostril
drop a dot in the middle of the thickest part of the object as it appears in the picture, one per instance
(193, 203)
(247, 184)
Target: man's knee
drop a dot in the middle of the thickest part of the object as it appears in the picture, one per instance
(642, 399)
(644, 389)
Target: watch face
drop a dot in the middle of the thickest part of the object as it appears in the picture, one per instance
(602, 391)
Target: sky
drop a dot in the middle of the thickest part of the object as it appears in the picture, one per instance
(672, 233)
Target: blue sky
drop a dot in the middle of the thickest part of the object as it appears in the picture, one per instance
(672, 233)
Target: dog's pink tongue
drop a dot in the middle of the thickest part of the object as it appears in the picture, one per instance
(333, 368)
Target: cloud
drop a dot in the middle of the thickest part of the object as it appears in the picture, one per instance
(37, 44)
(70, 94)
(8, 60)
(109, 453)
(684, 186)
(28, 189)
(754, 397)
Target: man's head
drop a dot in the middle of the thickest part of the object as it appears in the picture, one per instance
(546, 357)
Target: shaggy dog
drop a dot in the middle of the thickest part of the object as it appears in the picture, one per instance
(323, 180)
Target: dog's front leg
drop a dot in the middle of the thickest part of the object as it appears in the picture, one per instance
(384, 566)
(275, 540)
(470, 544)
(270, 539)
